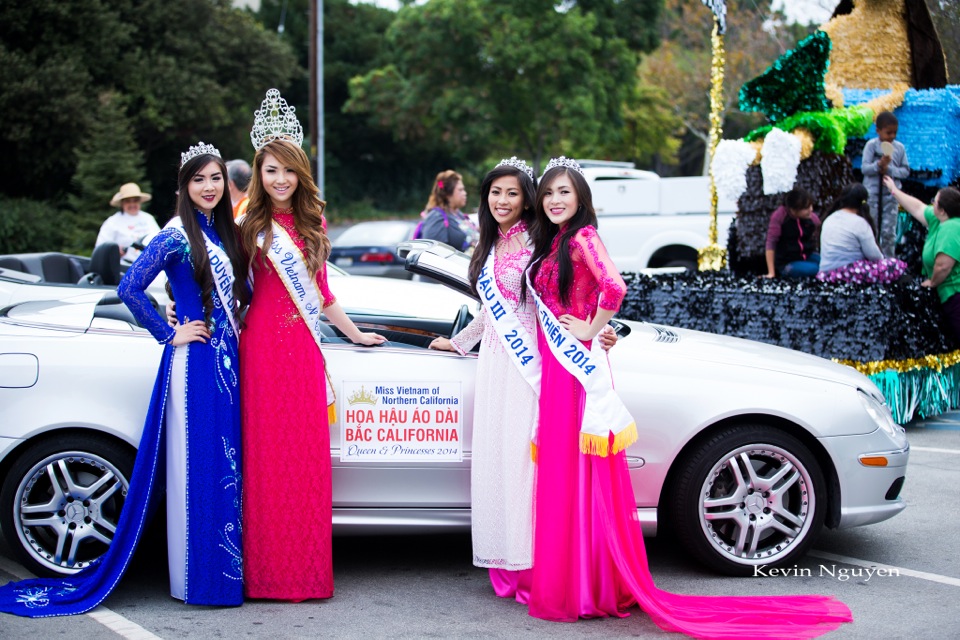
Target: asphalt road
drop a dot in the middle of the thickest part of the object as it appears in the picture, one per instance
(425, 587)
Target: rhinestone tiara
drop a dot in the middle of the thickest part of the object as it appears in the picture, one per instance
(565, 162)
(275, 120)
(198, 149)
(517, 163)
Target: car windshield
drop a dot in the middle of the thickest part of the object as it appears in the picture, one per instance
(375, 233)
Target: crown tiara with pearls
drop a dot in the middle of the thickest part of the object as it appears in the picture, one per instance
(275, 120)
(517, 163)
(565, 162)
(198, 149)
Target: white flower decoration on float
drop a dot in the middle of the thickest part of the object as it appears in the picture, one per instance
(779, 160)
(730, 162)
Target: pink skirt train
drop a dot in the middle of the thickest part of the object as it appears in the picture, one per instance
(589, 556)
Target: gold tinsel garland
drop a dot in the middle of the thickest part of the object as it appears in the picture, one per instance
(934, 362)
(713, 256)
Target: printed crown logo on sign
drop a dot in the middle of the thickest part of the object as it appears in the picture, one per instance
(362, 396)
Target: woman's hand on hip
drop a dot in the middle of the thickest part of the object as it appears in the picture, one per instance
(194, 331)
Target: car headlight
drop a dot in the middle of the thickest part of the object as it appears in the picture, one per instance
(880, 413)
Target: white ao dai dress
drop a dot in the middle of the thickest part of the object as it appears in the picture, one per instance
(505, 412)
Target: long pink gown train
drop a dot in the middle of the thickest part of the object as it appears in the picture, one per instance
(287, 534)
(589, 555)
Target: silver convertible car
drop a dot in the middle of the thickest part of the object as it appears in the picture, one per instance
(746, 451)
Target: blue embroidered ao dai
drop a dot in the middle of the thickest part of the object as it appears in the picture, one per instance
(209, 565)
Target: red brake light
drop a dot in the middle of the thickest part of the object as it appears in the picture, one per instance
(385, 256)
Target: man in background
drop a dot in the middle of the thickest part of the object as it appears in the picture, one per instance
(238, 179)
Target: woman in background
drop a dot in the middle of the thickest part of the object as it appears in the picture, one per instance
(442, 219)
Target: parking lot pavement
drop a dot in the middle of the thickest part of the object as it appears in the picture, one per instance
(424, 586)
(949, 421)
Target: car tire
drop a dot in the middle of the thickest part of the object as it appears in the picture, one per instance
(61, 501)
(737, 518)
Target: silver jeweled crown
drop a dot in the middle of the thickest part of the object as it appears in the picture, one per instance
(517, 163)
(198, 150)
(563, 161)
(275, 120)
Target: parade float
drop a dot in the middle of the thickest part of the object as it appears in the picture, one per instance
(820, 100)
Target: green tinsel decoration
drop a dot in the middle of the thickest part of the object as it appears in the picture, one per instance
(830, 129)
(793, 83)
(919, 393)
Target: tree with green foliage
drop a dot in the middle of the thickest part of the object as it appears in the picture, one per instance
(364, 167)
(108, 158)
(482, 77)
(182, 70)
(756, 35)
(28, 225)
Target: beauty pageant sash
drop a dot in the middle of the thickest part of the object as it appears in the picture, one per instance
(604, 412)
(288, 260)
(222, 270)
(519, 344)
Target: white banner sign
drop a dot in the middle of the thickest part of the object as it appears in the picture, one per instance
(384, 421)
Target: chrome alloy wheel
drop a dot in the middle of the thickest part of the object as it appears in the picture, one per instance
(757, 501)
(66, 509)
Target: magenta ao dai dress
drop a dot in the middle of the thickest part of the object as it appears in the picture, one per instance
(589, 556)
(501, 480)
(287, 494)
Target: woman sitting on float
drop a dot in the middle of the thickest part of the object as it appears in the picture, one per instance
(848, 245)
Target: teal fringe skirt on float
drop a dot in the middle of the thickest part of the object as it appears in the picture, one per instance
(917, 388)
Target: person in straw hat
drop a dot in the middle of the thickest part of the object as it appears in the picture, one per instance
(129, 225)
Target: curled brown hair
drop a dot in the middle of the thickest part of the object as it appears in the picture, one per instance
(443, 187)
(307, 206)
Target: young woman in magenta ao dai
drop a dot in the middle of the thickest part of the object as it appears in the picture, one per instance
(589, 558)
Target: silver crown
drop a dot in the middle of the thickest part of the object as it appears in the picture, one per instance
(517, 163)
(565, 162)
(198, 150)
(275, 120)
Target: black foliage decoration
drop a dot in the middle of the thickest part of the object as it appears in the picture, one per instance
(843, 321)
(822, 174)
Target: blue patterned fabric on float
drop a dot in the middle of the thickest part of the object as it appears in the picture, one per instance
(929, 126)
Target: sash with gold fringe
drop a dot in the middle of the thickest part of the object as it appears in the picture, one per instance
(604, 412)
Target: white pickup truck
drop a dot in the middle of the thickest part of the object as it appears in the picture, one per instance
(649, 222)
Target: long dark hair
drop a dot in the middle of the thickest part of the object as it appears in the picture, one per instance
(543, 231)
(225, 227)
(488, 225)
(853, 197)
